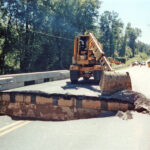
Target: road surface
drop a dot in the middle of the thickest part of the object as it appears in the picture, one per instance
(139, 78)
(64, 87)
(106, 133)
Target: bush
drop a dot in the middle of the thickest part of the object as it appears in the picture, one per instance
(143, 56)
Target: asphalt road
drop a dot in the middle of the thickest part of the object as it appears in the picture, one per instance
(139, 78)
(88, 88)
(109, 133)
(106, 133)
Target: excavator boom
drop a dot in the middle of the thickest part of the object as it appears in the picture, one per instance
(96, 47)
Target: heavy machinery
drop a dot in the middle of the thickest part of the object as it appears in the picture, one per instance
(117, 60)
(88, 59)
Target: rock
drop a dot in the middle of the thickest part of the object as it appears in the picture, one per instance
(124, 115)
(142, 105)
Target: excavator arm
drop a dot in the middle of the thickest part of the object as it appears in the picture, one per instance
(96, 47)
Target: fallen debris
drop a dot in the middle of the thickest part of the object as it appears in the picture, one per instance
(124, 115)
(141, 103)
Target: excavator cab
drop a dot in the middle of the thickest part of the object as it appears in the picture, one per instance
(81, 50)
(85, 55)
(83, 45)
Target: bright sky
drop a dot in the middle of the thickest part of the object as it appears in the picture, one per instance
(137, 12)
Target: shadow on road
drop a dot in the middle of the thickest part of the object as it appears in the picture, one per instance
(107, 114)
(90, 84)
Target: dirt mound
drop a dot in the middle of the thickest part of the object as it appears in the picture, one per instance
(141, 103)
(130, 96)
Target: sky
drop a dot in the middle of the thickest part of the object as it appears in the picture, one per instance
(137, 12)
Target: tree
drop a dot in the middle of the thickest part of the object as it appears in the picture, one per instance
(132, 34)
(86, 13)
(128, 52)
(40, 33)
(8, 34)
(111, 29)
(142, 47)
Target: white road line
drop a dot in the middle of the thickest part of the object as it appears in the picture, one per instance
(10, 125)
(14, 128)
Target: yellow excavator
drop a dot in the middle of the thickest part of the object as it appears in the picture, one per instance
(89, 61)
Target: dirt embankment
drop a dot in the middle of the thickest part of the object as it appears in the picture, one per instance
(141, 103)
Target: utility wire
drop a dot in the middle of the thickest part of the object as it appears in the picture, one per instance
(59, 37)
(53, 36)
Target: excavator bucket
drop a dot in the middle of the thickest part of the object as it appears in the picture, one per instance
(112, 82)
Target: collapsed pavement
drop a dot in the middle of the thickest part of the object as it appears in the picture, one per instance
(60, 107)
(69, 102)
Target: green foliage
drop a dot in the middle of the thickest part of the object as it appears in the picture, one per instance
(132, 34)
(143, 56)
(148, 51)
(140, 57)
(128, 52)
(111, 28)
(142, 47)
(38, 35)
